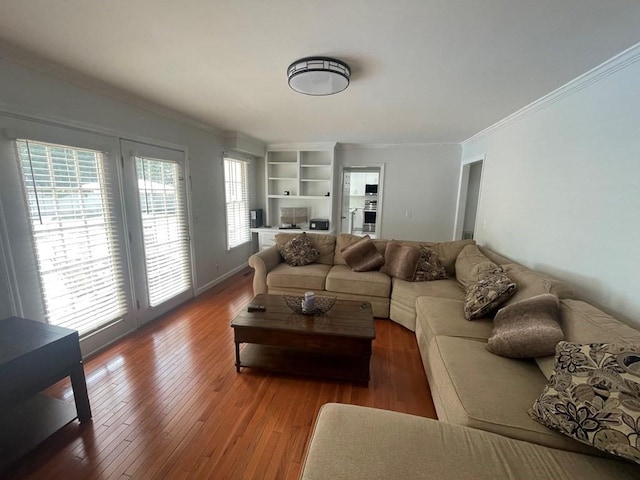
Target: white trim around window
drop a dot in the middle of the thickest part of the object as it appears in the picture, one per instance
(236, 190)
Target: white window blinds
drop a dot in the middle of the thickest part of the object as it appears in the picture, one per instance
(165, 228)
(70, 197)
(237, 202)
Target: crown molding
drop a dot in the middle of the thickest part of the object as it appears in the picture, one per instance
(26, 59)
(379, 146)
(605, 69)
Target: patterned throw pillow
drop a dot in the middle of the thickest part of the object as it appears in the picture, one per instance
(429, 267)
(593, 396)
(488, 293)
(299, 251)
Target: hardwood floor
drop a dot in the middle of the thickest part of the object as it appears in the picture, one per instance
(167, 402)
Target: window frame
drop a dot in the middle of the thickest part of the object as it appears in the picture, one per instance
(244, 187)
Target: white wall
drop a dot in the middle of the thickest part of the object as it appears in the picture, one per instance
(31, 93)
(420, 179)
(561, 186)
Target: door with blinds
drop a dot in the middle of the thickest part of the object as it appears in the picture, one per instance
(66, 253)
(158, 227)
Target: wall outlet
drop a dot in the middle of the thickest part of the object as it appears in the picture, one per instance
(217, 267)
(408, 214)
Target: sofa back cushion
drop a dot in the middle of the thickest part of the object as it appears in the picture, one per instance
(530, 284)
(581, 322)
(345, 239)
(448, 252)
(471, 265)
(323, 243)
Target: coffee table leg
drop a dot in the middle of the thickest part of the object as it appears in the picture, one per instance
(237, 357)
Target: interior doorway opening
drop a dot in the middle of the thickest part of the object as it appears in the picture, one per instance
(468, 199)
(361, 202)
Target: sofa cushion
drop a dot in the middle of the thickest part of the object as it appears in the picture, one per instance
(594, 397)
(324, 243)
(362, 255)
(345, 239)
(531, 283)
(344, 280)
(308, 277)
(400, 261)
(491, 291)
(351, 442)
(581, 322)
(429, 267)
(448, 252)
(298, 251)
(529, 328)
(404, 295)
(471, 265)
(489, 392)
(445, 316)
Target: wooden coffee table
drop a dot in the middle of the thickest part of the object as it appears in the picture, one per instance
(335, 345)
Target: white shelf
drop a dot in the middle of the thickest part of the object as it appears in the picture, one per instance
(306, 171)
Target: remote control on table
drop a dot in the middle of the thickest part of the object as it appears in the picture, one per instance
(254, 307)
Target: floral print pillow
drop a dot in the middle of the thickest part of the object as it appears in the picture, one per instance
(593, 396)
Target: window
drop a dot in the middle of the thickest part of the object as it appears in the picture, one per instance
(165, 231)
(71, 216)
(237, 202)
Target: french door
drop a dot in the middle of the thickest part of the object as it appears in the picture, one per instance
(160, 243)
(65, 249)
(94, 231)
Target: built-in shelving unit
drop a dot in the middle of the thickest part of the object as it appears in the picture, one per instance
(299, 175)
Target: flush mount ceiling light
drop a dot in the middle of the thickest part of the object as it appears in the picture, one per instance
(318, 75)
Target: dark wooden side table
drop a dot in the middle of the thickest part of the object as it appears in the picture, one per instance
(33, 356)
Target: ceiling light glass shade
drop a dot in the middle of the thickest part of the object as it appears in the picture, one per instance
(318, 75)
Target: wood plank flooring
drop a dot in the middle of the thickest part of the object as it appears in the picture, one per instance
(167, 402)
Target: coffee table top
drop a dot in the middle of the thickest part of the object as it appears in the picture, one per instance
(347, 318)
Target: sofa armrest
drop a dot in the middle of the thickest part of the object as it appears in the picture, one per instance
(263, 262)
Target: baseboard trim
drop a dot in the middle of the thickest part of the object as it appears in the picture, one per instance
(221, 278)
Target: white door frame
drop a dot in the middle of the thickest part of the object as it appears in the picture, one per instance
(355, 168)
(463, 187)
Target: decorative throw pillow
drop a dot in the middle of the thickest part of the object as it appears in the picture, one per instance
(299, 251)
(429, 266)
(594, 397)
(362, 256)
(487, 294)
(528, 328)
(400, 261)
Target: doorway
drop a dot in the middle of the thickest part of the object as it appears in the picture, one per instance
(361, 201)
(468, 199)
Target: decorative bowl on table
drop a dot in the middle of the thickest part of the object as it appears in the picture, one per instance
(321, 305)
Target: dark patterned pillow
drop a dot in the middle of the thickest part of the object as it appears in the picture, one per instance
(488, 293)
(429, 266)
(593, 396)
(299, 251)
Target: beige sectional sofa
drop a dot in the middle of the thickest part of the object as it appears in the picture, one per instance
(482, 399)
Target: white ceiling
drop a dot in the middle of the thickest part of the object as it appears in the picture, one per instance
(423, 70)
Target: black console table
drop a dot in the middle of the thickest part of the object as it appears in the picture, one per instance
(33, 356)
